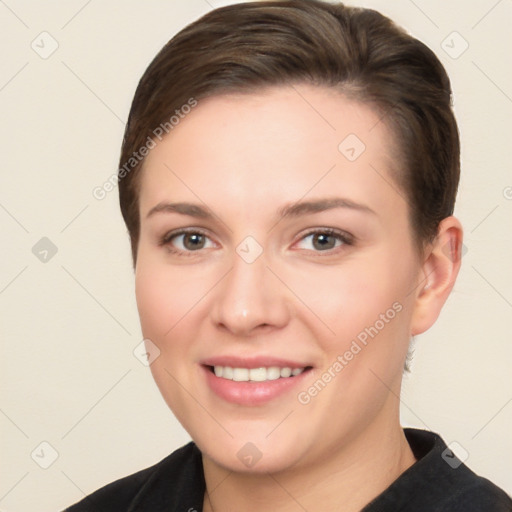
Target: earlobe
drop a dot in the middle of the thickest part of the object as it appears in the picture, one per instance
(438, 274)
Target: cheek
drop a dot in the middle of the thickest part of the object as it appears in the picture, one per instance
(352, 296)
(165, 295)
(365, 309)
(153, 304)
(165, 305)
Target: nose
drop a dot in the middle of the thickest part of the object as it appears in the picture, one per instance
(250, 299)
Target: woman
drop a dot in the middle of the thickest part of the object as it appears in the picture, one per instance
(288, 177)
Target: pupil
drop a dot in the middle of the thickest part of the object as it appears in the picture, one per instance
(196, 241)
(323, 242)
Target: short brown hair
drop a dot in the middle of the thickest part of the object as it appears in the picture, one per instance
(248, 46)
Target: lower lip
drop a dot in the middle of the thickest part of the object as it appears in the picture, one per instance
(251, 393)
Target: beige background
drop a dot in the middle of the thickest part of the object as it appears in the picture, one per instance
(69, 325)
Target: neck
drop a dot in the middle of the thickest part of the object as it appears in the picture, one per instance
(351, 476)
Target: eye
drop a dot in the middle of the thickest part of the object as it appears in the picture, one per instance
(186, 241)
(325, 240)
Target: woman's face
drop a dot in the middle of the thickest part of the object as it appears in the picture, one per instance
(298, 256)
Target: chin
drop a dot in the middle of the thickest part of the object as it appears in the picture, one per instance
(251, 457)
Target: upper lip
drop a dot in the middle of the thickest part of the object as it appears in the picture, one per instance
(252, 362)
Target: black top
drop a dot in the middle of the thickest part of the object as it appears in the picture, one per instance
(437, 482)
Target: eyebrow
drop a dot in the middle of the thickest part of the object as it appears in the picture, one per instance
(292, 210)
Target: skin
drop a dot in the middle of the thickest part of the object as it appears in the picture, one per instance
(244, 157)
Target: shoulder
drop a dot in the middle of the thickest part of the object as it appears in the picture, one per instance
(454, 487)
(440, 482)
(478, 494)
(180, 473)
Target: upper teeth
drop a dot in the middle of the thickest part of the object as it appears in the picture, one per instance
(255, 374)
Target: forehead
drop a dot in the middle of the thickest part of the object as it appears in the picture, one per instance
(271, 147)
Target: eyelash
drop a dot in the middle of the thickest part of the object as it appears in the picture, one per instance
(345, 238)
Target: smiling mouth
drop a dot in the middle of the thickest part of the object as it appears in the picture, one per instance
(261, 374)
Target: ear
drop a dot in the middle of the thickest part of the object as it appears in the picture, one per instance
(438, 274)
